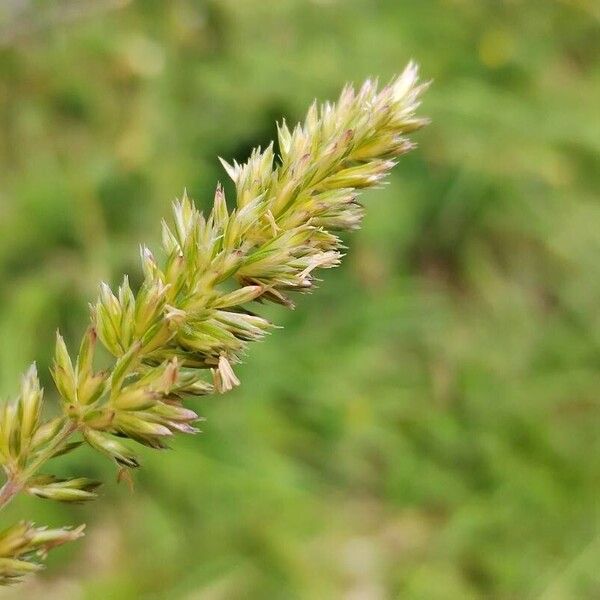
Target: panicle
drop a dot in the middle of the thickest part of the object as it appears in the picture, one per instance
(189, 323)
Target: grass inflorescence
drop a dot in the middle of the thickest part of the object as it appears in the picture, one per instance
(182, 333)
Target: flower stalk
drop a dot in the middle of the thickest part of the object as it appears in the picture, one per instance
(181, 335)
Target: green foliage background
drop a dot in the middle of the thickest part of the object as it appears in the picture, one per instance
(427, 425)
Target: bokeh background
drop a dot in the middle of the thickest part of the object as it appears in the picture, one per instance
(427, 425)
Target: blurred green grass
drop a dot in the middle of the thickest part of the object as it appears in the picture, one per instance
(427, 424)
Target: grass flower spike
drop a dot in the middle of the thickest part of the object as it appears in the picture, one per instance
(181, 335)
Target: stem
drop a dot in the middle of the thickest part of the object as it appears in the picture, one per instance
(16, 482)
(8, 491)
